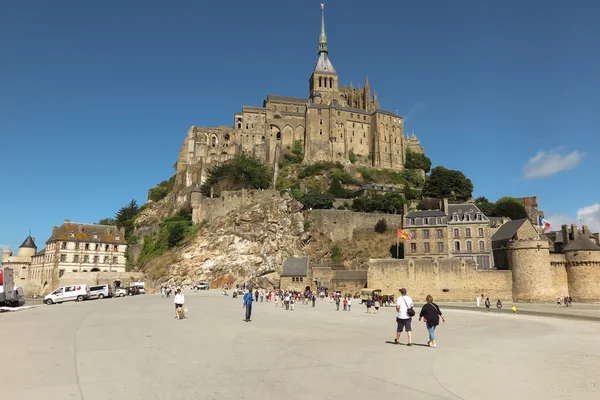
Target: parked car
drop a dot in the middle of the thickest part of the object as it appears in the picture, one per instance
(133, 290)
(68, 293)
(100, 291)
(120, 292)
(140, 287)
(203, 286)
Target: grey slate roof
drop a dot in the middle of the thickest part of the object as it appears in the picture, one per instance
(28, 243)
(295, 266)
(426, 213)
(581, 243)
(508, 230)
(469, 209)
(324, 64)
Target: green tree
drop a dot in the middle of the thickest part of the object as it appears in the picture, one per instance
(417, 161)
(241, 172)
(510, 207)
(107, 221)
(125, 217)
(352, 157)
(337, 190)
(176, 234)
(485, 206)
(315, 199)
(443, 182)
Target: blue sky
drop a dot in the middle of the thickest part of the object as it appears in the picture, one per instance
(96, 97)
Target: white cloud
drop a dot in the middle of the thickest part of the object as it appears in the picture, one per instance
(548, 163)
(590, 216)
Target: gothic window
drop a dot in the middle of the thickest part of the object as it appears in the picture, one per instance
(278, 136)
(227, 137)
(214, 139)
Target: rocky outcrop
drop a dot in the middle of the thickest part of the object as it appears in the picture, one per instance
(247, 245)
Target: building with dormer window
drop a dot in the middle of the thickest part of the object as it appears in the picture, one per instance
(456, 230)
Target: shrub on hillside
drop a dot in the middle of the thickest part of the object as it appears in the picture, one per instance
(241, 172)
(381, 226)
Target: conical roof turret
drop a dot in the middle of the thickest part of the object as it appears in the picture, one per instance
(28, 243)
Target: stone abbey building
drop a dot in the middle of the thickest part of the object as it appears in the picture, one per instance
(332, 123)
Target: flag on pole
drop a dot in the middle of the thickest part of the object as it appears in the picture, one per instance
(543, 223)
(403, 234)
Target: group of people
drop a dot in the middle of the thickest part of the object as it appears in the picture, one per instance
(566, 299)
(430, 313)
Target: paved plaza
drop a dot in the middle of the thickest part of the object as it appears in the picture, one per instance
(133, 348)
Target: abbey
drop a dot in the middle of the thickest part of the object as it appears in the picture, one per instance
(334, 123)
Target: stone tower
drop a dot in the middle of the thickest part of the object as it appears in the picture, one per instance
(324, 79)
(28, 248)
(583, 265)
(529, 260)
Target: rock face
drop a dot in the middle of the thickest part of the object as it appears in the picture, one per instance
(248, 245)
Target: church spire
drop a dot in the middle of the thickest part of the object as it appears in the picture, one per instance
(323, 37)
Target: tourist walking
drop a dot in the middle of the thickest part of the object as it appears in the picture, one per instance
(248, 305)
(369, 305)
(287, 301)
(431, 313)
(488, 303)
(179, 301)
(345, 304)
(337, 303)
(499, 305)
(558, 301)
(404, 307)
(314, 299)
(292, 302)
(479, 298)
(349, 303)
(514, 309)
(377, 304)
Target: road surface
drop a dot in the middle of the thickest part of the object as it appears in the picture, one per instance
(133, 348)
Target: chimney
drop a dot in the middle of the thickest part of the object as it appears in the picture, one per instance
(122, 231)
(565, 235)
(586, 230)
(404, 213)
(445, 206)
(574, 232)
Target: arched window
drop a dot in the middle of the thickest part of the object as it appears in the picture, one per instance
(227, 137)
(262, 139)
(320, 80)
(278, 135)
(214, 141)
(456, 246)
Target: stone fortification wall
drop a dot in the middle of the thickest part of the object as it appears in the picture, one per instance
(98, 278)
(445, 279)
(205, 208)
(533, 276)
(340, 224)
(583, 273)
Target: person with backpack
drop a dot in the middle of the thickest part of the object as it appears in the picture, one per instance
(404, 307)
(431, 313)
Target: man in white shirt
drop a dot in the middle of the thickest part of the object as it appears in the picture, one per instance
(403, 305)
(179, 301)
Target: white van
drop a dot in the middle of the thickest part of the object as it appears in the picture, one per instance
(68, 293)
(140, 285)
(100, 291)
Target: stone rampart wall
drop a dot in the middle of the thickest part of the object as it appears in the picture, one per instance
(444, 279)
(207, 208)
(340, 224)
